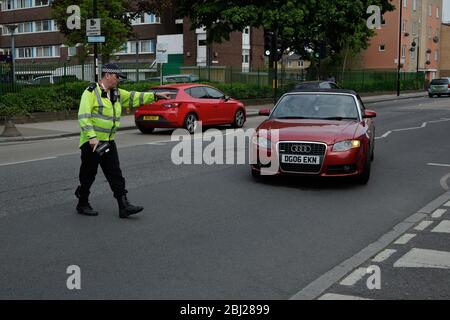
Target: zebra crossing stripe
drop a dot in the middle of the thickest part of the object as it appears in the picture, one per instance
(443, 227)
(333, 296)
(423, 225)
(354, 277)
(424, 258)
(384, 255)
(404, 239)
(438, 213)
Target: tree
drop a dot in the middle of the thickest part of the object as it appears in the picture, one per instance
(301, 24)
(116, 16)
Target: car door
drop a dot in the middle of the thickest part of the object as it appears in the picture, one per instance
(205, 106)
(223, 110)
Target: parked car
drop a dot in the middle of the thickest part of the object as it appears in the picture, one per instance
(317, 85)
(322, 132)
(190, 103)
(439, 87)
(178, 78)
(53, 79)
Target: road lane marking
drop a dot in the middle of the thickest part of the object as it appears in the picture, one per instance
(423, 225)
(424, 258)
(438, 213)
(404, 239)
(26, 161)
(447, 204)
(443, 227)
(354, 277)
(444, 183)
(438, 164)
(413, 128)
(384, 255)
(333, 296)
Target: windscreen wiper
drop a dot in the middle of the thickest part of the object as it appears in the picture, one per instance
(339, 118)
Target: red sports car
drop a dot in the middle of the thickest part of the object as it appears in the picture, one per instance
(190, 103)
(322, 132)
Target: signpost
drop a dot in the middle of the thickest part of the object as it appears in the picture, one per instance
(162, 57)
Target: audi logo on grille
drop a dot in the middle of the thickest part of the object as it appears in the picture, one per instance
(301, 148)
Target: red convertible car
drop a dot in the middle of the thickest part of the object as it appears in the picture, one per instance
(323, 132)
(189, 104)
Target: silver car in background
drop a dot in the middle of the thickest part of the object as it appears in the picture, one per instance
(438, 87)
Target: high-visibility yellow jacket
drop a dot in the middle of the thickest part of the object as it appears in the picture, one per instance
(99, 118)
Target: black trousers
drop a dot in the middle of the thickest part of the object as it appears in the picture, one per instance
(110, 166)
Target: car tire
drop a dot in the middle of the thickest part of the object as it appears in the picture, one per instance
(239, 119)
(256, 174)
(364, 177)
(145, 130)
(438, 95)
(190, 122)
(430, 95)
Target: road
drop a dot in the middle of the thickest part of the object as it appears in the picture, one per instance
(210, 231)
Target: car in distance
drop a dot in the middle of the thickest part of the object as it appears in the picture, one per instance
(439, 87)
(177, 78)
(322, 132)
(317, 85)
(189, 104)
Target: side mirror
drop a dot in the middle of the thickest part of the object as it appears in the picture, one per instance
(226, 98)
(264, 112)
(370, 114)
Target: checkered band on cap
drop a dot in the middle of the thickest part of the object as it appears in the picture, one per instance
(108, 70)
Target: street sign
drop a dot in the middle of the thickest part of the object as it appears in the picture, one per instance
(93, 27)
(96, 39)
(161, 53)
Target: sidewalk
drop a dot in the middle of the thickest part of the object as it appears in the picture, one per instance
(67, 128)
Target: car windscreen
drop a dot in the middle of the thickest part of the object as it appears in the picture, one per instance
(316, 106)
(172, 92)
(439, 82)
(310, 85)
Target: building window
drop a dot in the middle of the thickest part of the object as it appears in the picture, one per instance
(414, 27)
(43, 52)
(145, 46)
(146, 19)
(414, 5)
(403, 51)
(405, 3)
(23, 4)
(44, 25)
(72, 51)
(437, 12)
(381, 48)
(430, 10)
(436, 55)
(23, 53)
(430, 32)
(404, 23)
(300, 63)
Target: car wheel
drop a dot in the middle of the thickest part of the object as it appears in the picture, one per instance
(256, 174)
(190, 122)
(364, 177)
(438, 95)
(239, 119)
(145, 130)
(430, 95)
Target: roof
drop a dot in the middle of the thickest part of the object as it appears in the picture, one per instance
(313, 90)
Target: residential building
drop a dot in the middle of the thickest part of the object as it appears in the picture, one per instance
(444, 65)
(421, 24)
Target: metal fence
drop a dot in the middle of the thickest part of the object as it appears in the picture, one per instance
(38, 74)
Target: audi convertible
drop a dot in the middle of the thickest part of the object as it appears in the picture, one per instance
(322, 132)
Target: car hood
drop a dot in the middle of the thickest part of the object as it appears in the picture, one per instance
(327, 131)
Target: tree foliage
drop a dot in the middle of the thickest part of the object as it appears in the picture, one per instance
(116, 16)
(300, 24)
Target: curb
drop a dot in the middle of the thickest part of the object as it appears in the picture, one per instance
(249, 114)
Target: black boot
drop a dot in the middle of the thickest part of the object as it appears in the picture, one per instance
(126, 209)
(83, 206)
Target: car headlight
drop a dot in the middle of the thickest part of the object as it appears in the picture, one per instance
(346, 145)
(262, 142)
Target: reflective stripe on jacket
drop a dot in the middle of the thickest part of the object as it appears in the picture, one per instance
(99, 118)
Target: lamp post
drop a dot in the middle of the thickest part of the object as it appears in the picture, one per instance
(399, 48)
(12, 29)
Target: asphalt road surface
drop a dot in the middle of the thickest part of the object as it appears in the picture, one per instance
(208, 231)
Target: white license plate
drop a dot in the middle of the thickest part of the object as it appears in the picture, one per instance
(300, 159)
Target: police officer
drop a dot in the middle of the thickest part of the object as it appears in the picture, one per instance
(99, 118)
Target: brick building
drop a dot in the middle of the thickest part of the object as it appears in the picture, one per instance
(421, 23)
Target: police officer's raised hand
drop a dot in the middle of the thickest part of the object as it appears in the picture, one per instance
(93, 143)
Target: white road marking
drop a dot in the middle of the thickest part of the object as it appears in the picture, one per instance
(423, 225)
(438, 164)
(424, 258)
(333, 296)
(26, 161)
(354, 277)
(443, 227)
(447, 204)
(384, 255)
(438, 213)
(444, 183)
(413, 128)
(404, 239)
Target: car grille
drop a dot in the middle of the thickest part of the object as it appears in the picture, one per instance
(317, 149)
